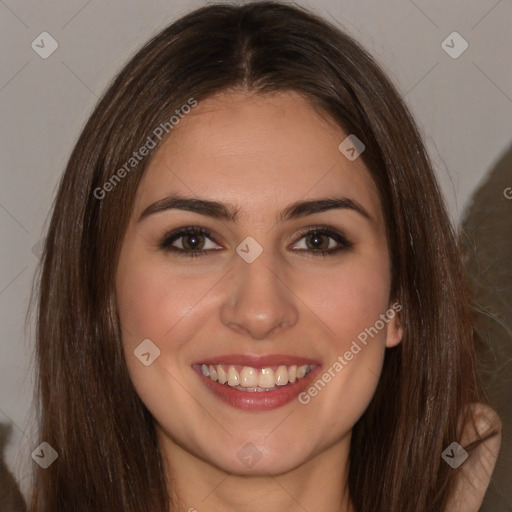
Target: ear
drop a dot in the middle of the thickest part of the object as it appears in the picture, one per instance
(394, 330)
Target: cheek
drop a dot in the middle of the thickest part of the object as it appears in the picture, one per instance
(350, 300)
(156, 303)
(153, 300)
(350, 303)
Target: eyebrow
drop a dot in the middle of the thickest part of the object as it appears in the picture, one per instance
(231, 213)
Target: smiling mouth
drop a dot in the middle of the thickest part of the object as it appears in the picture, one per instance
(247, 378)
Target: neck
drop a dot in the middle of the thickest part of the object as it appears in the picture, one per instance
(320, 483)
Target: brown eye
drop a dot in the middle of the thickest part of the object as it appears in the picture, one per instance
(189, 241)
(317, 241)
(322, 241)
(193, 241)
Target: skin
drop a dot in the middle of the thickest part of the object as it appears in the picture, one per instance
(475, 474)
(261, 154)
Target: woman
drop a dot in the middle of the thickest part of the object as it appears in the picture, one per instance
(251, 297)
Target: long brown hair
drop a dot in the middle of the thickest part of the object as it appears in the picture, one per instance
(89, 410)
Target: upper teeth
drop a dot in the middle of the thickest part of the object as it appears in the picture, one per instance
(254, 378)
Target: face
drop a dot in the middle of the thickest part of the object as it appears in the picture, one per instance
(256, 254)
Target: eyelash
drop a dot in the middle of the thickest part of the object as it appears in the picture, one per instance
(166, 243)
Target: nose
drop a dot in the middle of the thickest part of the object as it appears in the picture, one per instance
(258, 300)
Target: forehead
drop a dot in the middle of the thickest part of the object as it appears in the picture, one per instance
(258, 151)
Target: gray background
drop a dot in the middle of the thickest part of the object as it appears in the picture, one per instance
(463, 106)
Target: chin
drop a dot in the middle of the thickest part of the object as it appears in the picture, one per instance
(246, 458)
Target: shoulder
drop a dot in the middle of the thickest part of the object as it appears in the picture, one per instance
(475, 473)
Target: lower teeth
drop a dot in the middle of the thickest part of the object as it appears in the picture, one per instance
(241, 388)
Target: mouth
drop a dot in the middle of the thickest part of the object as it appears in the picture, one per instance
(249, 379)
(256, 387)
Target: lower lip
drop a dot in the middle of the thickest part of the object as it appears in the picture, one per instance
(257, 400)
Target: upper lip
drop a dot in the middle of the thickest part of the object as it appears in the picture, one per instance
(258, 361)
